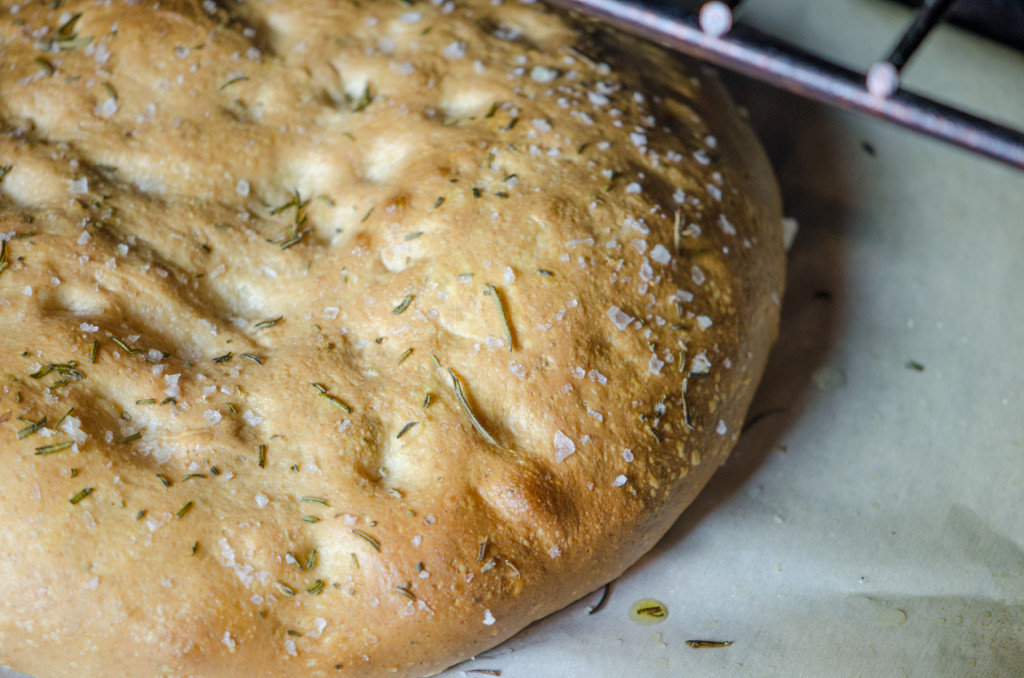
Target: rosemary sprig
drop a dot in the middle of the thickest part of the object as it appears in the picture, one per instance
(32, 428)
(123, 346)
(362, 535)
(265, 324)
(398, 310)
(491, 290)
(232, 81)
(405, 429)
(56, 447)
(461, 397)
(331, 399)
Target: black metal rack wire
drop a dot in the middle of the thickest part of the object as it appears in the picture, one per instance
(708, 31)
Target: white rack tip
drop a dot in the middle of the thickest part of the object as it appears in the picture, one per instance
(715, 19)
(883, 79)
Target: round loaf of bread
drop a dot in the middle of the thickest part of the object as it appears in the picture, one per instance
(348, 338)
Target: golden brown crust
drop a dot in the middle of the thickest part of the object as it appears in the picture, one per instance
(388, 329)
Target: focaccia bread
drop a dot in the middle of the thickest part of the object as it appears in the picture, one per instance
(348, 338)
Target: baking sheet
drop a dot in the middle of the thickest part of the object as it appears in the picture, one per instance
(871, 522)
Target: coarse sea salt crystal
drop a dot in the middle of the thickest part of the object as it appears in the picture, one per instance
(88, 327)
(564, 446)
(289, 647)
(261, 500)
(661, 255)
(597, 377)
(488, 618)
(722, 428)
(654, 365)
(543, 74)
(454, 50)
(227, 640)
(704, 322)
(554, 552)
(619, 481)
(619, 318)
(627, 454)
(319, 624)
(212, 416)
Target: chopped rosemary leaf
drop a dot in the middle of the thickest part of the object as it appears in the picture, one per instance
(56, 447)
(130, 439)
(481, 551)
(492, 290)
(285, 589)
(140, 515)
(125, 347)
(427, 397)
(700, 644)
(311, 562)
(254, 358)
(401, 590)
(405, 354)
(32, 428)
(93, 351)
(476, 192)
(261, 456)
(461, 397)
(546, 272)
(439, 201)
(397, 310)
(362, 535)
(310, 519)
(292, 241)
(364, 100)
(231, 408)
(413, 236)
(293, 632)
(315, 500)
(72, 473)
(190, 476)
(223, 358)
(232, 81)
(316, 587)
(4, 171)
(3, 254)
(195, 547)
(168, 400)
(405, 429)
(183, 510)
(367, 215)
(265, 324)
(81, 494)
(335, 401)
(146, 401)
(164, 479)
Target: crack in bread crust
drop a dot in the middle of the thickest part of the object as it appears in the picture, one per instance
(365, 334)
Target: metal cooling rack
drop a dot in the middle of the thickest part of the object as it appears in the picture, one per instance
(708, 31)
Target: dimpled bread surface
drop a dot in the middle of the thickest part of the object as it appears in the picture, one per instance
(348, 338)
